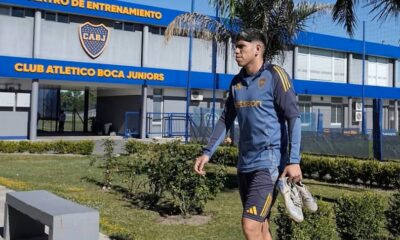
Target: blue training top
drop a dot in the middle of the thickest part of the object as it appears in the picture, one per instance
(263, 104)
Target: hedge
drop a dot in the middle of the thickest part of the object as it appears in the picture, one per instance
(333, 169)
(360, 217)
(393, 215)
(59, 147)
(352, 171)
(319, 225)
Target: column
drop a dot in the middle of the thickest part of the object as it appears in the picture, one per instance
(35, 82)
(350, 68)
(350, 113)
(396, 115)
(145, 48)
(295, 53)
(86, 111)
(229, 56)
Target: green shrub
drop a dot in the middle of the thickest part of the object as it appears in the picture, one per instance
(24, 146)
(318, 225)
(37, 147)
(393, 215)
(60, 147)
(172, 172)
(83, 147)
(133, 146)
(359, 217)
(109, 163)
(79, 147)
(8, 146)
(226, 155)
(352, 171)
(192, 151)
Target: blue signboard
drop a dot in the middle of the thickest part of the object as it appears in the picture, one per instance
(110, 9)
(29, 68)
(16, 67)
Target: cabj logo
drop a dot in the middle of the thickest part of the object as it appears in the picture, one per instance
(94, 38)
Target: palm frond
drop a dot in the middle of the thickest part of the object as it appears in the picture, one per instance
(201, 26)
(280, 20)
(384, 8)
(343, 12)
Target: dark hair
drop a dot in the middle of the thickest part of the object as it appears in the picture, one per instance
(250, 35)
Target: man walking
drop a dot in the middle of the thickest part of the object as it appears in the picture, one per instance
(262, 97)
(61, 121)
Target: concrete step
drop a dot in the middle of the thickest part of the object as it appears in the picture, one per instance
(3, 192)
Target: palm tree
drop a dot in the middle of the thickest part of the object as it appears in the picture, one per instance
(280, 20)
(343, 11)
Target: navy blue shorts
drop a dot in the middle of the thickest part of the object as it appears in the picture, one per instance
(256, 192)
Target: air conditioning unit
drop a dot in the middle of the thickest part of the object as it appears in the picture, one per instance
(196, 96)
(358, 106)
(358, 117)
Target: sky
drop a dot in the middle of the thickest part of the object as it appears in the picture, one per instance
(387, 32)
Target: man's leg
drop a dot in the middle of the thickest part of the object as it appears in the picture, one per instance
(254, 230)
(256, 192)
(265, 231)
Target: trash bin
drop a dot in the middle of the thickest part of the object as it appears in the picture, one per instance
(107, 128)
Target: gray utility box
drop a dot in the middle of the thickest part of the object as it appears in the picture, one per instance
(27, 214)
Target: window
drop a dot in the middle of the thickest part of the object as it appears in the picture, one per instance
(64, 18)
(29, 13)
(118, 25)
(157, 105)
(129, 27)
(336, 114)
(4, 10)
(392, 124)
(17, 12)
(305, 114)
(50, 16)
(157, 30)
(138, 27)
(321, 65)
(302, 63)
(397, 73)
(378, 72)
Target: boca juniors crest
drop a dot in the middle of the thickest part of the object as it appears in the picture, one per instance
(94, 38)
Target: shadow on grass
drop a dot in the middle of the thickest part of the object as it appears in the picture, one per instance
(142, 200)
(121, 237)
(353, 188)
(231, 181)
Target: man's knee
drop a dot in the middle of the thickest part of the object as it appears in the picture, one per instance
(251, 227)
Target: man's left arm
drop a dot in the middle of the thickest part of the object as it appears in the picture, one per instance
(287, 107)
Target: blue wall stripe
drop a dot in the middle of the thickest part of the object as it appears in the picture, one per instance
(346, 45)
(176, 78)
(167, 14)
(344, 90)
(13, 137)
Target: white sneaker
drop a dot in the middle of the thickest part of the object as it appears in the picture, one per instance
(308, 200)
(292, 199)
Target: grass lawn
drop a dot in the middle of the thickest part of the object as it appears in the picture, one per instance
(69, 177)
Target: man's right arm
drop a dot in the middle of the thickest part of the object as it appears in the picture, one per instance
(222, 127)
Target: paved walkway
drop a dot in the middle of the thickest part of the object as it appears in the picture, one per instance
(3, 192)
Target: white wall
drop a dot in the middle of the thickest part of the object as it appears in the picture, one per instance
(173, 54)
(16, 36)
(61, 41)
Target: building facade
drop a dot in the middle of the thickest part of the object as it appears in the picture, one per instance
(117, 51)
